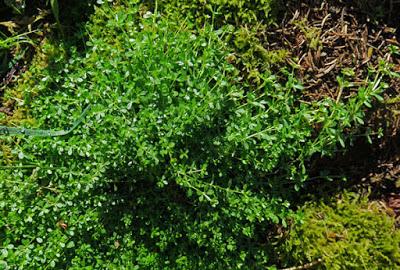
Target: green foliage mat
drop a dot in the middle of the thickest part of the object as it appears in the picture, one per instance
(349, 233)
(178, 164)
(220, 12)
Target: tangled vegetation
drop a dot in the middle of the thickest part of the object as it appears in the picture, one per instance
(176, 159)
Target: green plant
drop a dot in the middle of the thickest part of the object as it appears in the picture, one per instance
(312, 34)
(246, 21)
(15, 42)
(347, 233)
(253, 59)
(178, 164)
(220, 12)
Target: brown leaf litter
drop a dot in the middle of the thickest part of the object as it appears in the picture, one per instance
(331, 39)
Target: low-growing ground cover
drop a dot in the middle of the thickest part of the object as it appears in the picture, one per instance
(345, 233)
(181, 162)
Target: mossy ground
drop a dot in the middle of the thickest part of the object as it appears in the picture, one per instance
(346, 232)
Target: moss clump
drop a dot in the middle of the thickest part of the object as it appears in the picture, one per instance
(350, 233)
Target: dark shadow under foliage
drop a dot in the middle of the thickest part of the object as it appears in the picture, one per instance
(367, 167)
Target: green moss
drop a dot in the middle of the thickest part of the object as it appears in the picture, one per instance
(311, 33)
(20, 93)
(248, 44)
(350, 233)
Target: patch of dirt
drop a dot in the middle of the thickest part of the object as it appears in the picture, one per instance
(328, 39)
